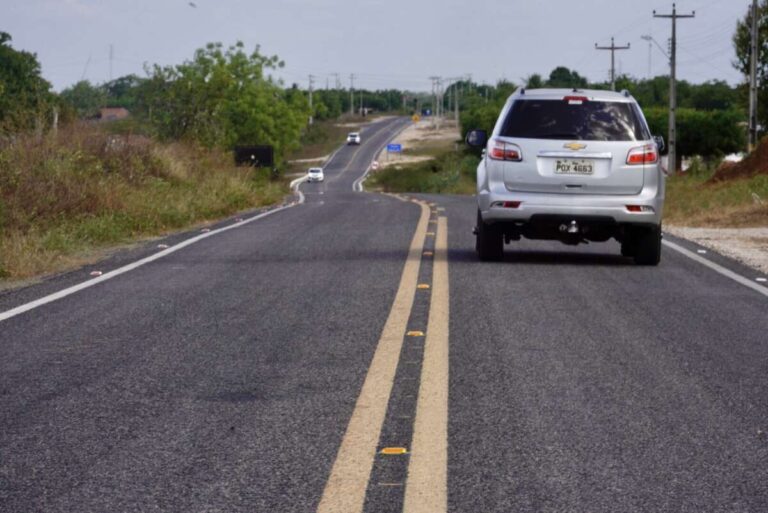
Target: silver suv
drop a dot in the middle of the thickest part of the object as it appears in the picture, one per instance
(570, 165)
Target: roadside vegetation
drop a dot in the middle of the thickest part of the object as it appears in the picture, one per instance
(72, 186)
(64, 196)
(452, 172)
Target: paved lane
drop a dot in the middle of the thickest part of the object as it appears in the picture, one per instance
(350, 354)
(218, 378)
(580, 382)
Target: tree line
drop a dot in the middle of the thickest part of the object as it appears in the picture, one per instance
(710, 116)
(221, 97)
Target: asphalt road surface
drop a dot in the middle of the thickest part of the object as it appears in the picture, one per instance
(349, 353)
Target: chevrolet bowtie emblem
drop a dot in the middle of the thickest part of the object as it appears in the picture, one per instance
(574, 146)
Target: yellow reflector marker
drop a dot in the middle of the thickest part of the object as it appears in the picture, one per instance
(415, 334)
(431, 234)
(422, 286)
(428, 253)
(394, 451)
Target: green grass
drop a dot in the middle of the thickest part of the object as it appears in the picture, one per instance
(64, 199)
(451, 172)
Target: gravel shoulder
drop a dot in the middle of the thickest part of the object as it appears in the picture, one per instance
(747, 245)
(418, 140)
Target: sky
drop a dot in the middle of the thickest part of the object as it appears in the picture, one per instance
(385, 43)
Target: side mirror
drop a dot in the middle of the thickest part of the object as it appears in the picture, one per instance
(477, 138)
(659, 140)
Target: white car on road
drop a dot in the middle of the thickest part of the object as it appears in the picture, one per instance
(353, 138)
(315, 174)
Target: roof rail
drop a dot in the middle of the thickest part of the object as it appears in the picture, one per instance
(625, 93)
(522, 90)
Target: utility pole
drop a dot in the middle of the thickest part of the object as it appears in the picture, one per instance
(753, 54)
(352, 94)
(311, 110)
(338, 81)
(362, 112)
(613, 48)
(439, 101)
(111, 58)
(672, 143)
(434, 100)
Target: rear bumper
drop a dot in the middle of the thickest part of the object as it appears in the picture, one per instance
(581, 205)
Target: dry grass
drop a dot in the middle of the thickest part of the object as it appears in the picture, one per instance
(63, 197)
(738, 203)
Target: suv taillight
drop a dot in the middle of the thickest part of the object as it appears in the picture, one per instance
(647, 154)
(500, 150)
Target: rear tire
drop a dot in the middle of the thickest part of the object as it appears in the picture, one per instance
(647, 245)
(628, 245)
(490, 241)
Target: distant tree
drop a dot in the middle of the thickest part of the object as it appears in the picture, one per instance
(85, 98)
(741, 43)
(223, 98)
(26, 99)
(123, 91)
(708, 134)
(564, 77)
(534, 81)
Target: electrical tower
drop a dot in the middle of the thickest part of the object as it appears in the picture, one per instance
(672, 143)
(352, 94)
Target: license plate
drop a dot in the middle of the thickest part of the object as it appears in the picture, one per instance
(574, 167)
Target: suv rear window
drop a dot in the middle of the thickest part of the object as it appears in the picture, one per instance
(587, 121)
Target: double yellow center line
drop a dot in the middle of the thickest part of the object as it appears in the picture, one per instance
(426, 486)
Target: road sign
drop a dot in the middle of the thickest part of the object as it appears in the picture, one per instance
(416, 118)
(394, 148)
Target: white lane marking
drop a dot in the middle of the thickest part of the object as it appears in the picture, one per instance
(357, 186)
(295, 186)
(718, 268)
(130, 267)
(761, 280)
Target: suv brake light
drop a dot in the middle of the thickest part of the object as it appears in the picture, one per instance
(575, 100)
(500, 150)
(647, 154)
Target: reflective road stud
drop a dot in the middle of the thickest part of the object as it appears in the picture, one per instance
(394, 451)
(428, 253)
(422, 286)
(415, 334)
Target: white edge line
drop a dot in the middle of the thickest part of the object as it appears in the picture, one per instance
(357, 186)
(717, 268)
(156, 256)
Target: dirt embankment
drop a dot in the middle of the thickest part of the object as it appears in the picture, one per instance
(756, 163)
